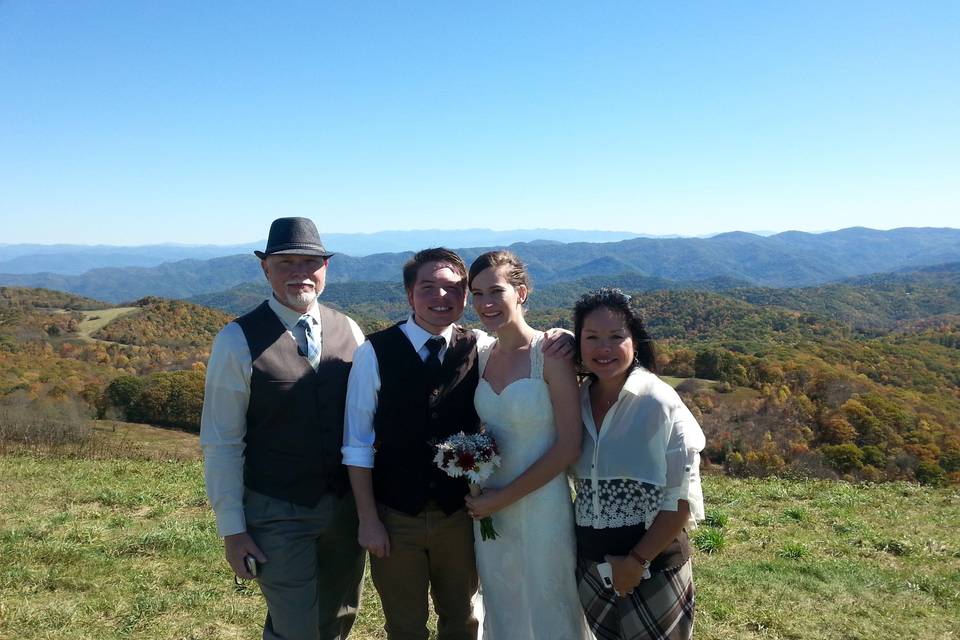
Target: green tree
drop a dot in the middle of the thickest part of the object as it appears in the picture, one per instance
(171, 398)
(121, 393)
(845, 458)
(681, 364)
(717, 364)
(930, 473)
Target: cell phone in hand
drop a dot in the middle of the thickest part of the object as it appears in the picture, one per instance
(606, 574)
(251, 563)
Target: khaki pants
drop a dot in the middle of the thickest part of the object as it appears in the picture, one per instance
(311, 579)
(428, 551)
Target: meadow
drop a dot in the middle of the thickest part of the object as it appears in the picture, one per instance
(122, 544)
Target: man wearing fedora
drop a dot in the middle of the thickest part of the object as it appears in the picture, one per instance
(271, 434)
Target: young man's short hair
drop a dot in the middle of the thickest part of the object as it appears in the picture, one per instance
(436, 254)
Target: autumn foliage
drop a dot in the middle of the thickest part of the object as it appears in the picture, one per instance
(777, 390)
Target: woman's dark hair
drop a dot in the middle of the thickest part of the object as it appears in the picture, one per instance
(644, 353)
(437, 254)
(516, 271)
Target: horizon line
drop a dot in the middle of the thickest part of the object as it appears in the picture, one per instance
(635, 234)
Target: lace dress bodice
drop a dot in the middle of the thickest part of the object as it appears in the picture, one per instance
(520, 418)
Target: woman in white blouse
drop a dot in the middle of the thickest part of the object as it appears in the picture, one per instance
(637, 480)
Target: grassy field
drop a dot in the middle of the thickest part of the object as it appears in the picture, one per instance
(93, 321)
(146, 441)
(126, 548)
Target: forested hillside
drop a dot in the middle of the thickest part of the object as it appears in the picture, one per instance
(145, 364)
(14, 298)
(165, 323)
(857, 379)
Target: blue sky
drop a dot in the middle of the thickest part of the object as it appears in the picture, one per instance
(133, 122)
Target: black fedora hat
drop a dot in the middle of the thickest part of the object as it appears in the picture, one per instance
(294, 235)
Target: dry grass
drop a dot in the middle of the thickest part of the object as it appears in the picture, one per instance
(93, 321)
(24, 430)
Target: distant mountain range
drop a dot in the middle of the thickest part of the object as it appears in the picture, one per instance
(73, 259)
(791, 259)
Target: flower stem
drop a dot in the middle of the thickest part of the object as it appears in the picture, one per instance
(487, 532)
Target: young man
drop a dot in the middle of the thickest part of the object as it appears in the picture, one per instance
(271, 434)
(411, 387)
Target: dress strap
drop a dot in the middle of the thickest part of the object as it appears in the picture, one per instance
(483, 355)
(536, 356)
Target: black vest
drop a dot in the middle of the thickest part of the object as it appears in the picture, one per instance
(295, 414)
(414, 414)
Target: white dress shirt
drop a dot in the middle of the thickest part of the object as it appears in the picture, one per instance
(223, 424)
(363, 391)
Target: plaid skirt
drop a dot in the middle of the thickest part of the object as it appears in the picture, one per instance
(660, 608)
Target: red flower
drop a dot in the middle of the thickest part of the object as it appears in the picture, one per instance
(465, 460)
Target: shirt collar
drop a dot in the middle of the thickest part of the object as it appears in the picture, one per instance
(636, 382)
(418, 336)
(289, 317)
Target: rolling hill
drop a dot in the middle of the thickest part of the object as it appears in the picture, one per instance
(790, 259)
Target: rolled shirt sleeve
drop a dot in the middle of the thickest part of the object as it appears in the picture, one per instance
(683, 465)
(223, 427)
(363, 388)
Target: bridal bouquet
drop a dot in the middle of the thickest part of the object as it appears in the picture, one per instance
(474, 456)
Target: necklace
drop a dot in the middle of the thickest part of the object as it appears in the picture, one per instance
(606, 403)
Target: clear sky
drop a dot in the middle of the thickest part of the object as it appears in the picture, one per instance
(134, 122)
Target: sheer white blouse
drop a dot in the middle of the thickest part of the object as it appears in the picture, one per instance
(644, 459)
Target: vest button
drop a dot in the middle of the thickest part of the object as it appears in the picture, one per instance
(433, 485)
(435, 393)
(434, 415)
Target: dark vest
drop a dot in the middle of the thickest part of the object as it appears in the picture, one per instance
(414, 414)
(295, 414)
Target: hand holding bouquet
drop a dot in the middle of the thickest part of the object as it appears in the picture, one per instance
(475, 456)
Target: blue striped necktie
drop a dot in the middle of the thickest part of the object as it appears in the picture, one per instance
(313, 347)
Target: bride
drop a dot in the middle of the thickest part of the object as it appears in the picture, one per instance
(530, 406)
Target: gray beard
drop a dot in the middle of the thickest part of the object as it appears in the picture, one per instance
(302, 300)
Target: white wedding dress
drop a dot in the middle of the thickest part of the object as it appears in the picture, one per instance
(527, 574)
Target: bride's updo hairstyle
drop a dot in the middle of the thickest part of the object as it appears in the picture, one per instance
(644, 353)
(515, 272)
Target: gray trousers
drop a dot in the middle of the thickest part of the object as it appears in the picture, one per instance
(311, 580)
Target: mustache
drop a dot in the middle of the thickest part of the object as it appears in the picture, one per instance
(299, 282)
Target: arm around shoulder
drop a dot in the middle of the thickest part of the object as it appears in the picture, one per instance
(558, 344)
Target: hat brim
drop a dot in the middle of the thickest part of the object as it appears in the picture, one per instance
(298, 252)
